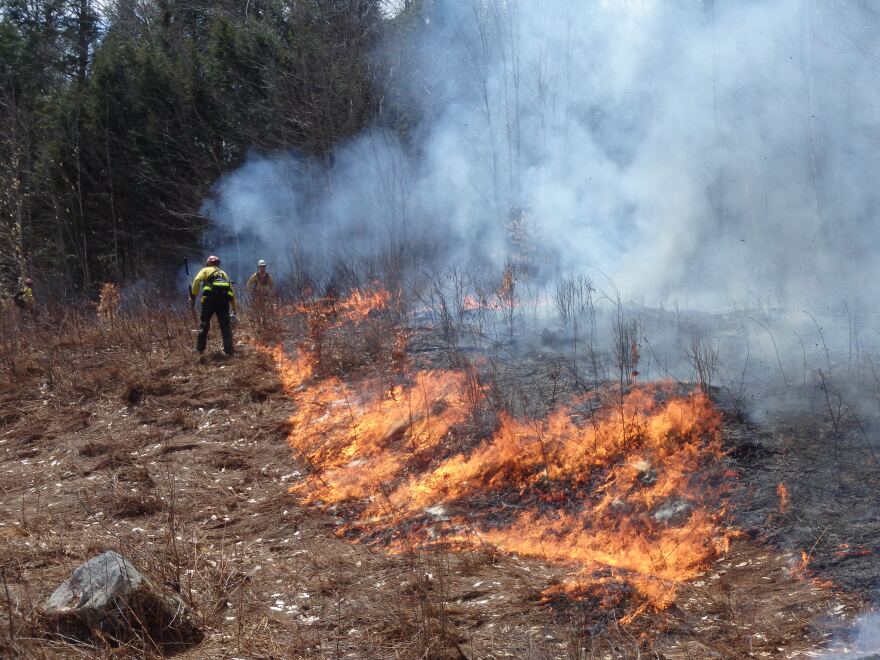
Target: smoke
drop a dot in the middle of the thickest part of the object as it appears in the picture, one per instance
(713, 156)
(720, 151)
(864, 639)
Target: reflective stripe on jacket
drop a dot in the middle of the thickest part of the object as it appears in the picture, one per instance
(204, 281)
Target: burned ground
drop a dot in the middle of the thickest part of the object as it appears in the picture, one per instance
(821, 457)
(185, 467)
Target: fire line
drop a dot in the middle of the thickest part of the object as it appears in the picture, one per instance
(631, 494)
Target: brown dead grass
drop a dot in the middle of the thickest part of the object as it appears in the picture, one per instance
(117, 438)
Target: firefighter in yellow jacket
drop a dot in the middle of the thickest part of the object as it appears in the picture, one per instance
(24, 300)
(217, 297)
(24, 297)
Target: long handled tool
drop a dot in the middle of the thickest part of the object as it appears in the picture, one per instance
(192, 307)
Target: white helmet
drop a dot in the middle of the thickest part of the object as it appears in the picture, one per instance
(261, 262)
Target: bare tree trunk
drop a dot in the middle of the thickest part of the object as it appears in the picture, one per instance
(112, 197)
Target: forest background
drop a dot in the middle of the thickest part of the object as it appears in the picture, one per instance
(119, 116)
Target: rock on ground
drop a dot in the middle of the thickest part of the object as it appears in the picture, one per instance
(107, 596)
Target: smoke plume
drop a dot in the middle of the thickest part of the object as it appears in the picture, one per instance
(720, 151)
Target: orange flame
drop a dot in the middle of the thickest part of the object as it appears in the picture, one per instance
(360, 304)
(354, 309)
(845, 552)
(782, 492)
(801, 569)
(470, 303)
(635, 489)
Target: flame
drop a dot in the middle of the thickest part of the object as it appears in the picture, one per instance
(626, 472)
(294, 373)
(628, 493)
(801, 568)
(846, 552)
(470, 303)
(363, 439)
(503, 298)
(359, 305)
(782, 492)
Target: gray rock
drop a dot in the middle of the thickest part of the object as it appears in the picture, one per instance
(109, 596)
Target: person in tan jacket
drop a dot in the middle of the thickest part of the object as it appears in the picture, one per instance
(261, 287)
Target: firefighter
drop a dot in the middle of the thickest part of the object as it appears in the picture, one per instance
(217, 297)
(260, 286)
(24, 298)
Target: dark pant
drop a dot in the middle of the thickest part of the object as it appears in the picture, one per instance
(221, 309)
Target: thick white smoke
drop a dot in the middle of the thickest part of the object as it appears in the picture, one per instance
(722, 151)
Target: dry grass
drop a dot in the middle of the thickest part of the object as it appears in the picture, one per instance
(113, 436)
